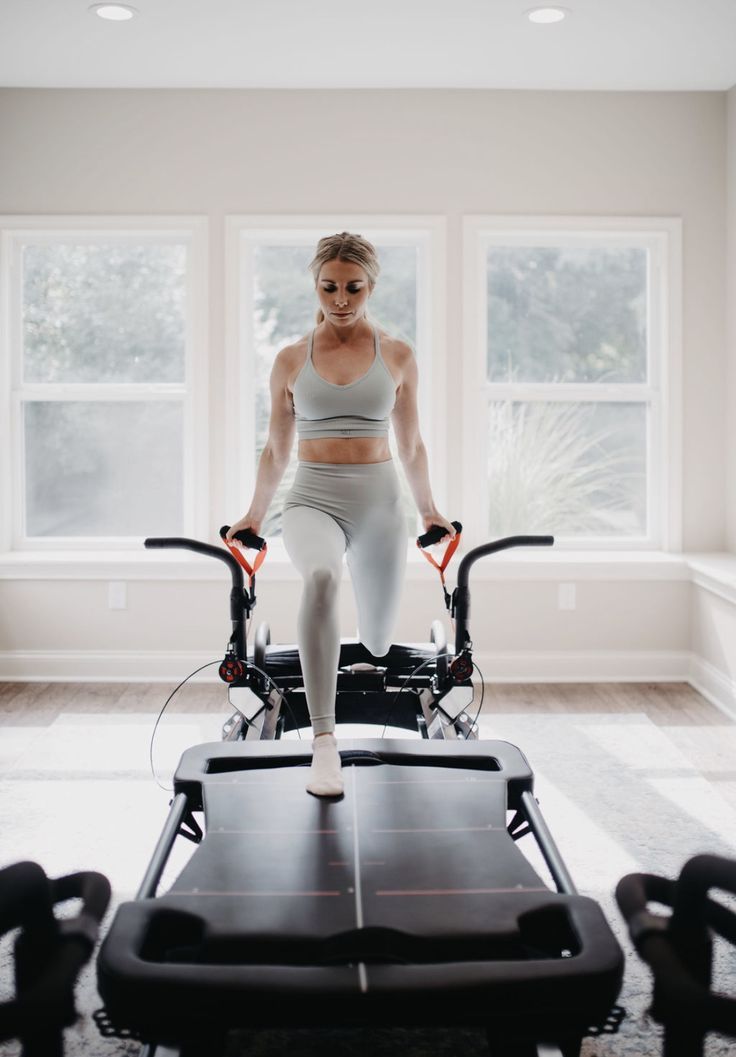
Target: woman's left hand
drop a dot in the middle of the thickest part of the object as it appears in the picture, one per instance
(437, 519)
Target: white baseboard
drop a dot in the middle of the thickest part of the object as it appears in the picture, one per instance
(604, 666)
(516, 667)
(100, 666)
(715, 685)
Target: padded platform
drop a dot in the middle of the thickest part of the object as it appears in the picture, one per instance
(405, 902)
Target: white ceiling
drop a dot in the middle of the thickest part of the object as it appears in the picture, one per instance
(664, 45)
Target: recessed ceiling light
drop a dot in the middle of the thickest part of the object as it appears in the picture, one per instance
(114, 12)
(547, 15)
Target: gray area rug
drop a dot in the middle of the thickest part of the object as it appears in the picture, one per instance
(616, 792)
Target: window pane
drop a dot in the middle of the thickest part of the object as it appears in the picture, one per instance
(285, 310)
(104, 312)
(567, 469)
(103, 469)
(573, 314)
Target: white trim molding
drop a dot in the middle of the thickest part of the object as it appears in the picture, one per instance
(192, 392)
(538, 564)
(713, 684)
(662, 393)
(511, 667)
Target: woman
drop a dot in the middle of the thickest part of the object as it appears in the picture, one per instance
(336, 388)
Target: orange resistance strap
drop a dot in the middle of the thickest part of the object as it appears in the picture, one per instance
(242, 560)
(451, 548)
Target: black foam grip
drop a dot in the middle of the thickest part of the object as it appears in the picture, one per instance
(248, 539)
(435, 534)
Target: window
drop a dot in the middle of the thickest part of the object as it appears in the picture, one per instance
(573, 378)
(106, 425)
(277, 305)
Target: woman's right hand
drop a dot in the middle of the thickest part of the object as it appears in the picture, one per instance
(247, 521)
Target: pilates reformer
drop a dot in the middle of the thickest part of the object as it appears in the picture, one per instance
(404, 903)
(48, 952)
(415, 686)
(678, 947)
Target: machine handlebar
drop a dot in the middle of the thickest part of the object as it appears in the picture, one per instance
(678, 947)
(493, 547)
(182, 543)
(49, 951)
(688, 897)
(461, 596)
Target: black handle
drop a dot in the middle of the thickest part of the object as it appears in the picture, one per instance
(248, 539)
(435, 534)
(678, 947)
(461, 595)
(92, 888)
(49, 952)
(688, 896)
(181, 543)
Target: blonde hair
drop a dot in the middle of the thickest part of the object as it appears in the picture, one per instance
(345, 247)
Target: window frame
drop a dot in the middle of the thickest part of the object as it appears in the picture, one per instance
(243, 232)
(662, 238)
(17, 231)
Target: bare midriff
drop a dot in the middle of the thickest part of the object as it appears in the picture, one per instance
(344, 449)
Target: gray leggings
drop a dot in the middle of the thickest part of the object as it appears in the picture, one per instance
(331, 509)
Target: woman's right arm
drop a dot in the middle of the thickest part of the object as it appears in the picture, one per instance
(277, 452)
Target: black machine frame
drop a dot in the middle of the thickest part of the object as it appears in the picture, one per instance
(550, 1004)
(412, 687)
(407, 687)
(678, 947)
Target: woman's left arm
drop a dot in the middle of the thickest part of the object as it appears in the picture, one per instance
(410, 445)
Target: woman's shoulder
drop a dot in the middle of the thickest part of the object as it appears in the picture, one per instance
(396, 350)
(398, 347)
(290, 360)
(396, 353)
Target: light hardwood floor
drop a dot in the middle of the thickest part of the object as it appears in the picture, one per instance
(705, 735)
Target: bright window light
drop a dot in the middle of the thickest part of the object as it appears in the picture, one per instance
(114, 12)
(546, 15)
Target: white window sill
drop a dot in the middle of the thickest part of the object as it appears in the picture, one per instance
(532, 564)
(715, 573)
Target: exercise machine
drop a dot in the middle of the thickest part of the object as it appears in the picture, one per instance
(49, 952)
(678, 948)
(416, 686)
(406, 902)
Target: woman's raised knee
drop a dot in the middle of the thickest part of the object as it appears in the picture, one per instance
(377, 647)
(322, 582)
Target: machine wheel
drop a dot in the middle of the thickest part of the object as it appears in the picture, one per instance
(438, 636)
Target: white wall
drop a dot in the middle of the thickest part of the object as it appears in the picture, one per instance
(447, 152)
(713, 615)
(731, 316)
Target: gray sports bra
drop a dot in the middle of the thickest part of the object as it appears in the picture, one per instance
(357, 409)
